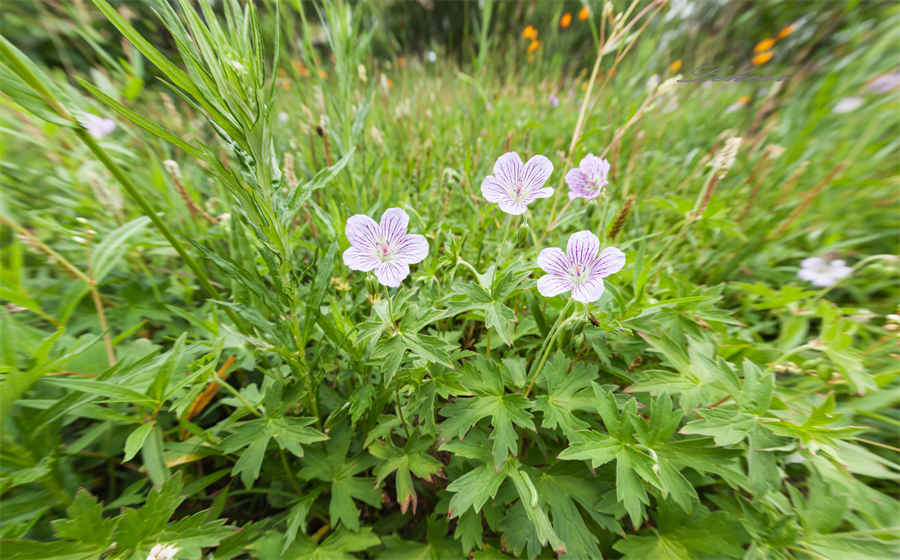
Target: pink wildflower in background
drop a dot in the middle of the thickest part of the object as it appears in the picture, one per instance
(581, 269)
(97, 126)
(385, 248)
(588, 179)
(514, 186)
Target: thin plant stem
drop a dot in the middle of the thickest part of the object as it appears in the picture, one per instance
(290, 474)
(548, 344)
(400, 406)
(98, 305)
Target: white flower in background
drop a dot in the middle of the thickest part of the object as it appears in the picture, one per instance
(97, 126)
(283, 117)
(163, 552)
(652, 82)
(430, 56)
(821, 272)
(847, 104)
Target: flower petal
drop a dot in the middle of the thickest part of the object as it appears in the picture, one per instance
(362, 231)
(493, 190)
(392, 274)
(536, 172)
(812, 262)
(609, 261)
(413, 249)
(551, 285)
(546, 192)
(512, 207)
(589, 291)
(577, 181)
(508, 168)
(553, 260)
(393, 224)
(355, 259)
(593, 165)
(582, 247)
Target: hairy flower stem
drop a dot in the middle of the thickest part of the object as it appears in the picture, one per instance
(548, 345)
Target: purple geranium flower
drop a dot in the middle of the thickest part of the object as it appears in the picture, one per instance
(588, 179)
(385, 248)
(580, 269)
(514, 186)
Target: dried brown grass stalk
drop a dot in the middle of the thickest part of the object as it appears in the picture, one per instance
(810, 197)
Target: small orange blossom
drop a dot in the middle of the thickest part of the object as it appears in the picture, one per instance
(534, 46)
(675, 66)
(764, 45)
(786, 31)
(762, 58)
(583, 13)
(530, 33)
(565, 20)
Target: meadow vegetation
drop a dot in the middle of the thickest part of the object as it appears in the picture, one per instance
(275, 286)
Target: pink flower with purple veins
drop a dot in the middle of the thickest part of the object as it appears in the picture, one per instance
(385, 248)
(581, 269)
(514, 186)
(588, 179)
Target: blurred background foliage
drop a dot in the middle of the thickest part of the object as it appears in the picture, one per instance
(73, 36)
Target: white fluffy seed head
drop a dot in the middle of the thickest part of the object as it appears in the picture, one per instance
(726, 156)
(668, 85)
(172, 167)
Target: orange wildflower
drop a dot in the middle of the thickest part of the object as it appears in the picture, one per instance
(401, 62)
(764, 45)
(300, 68)
(583, 13)
(322, 73)
(762, 58)
(530, 33)
(534, 46)
(675, 66)
(743, 100)
(565, 20)
(786, 31)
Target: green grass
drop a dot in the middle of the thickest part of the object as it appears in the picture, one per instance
(186, 360)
